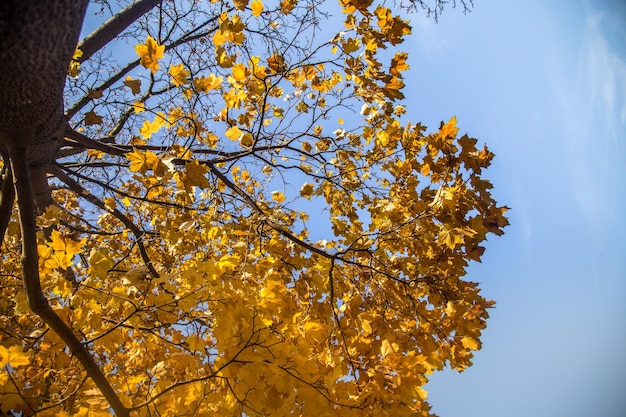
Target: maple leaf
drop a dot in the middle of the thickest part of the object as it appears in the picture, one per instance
(257, 8)
(142, 161)
(149, 128)
(179, 75)
(224, 59)
(239, 72)
(392, 89)
(449, 130)
(306, 190)
(13, 357)
(149, 53)
(138, 107)
(195, 175)
(246, 140)
(398, 64)
(350, 45)
(205, 84)
(134, 85)
(11, 401)
(361, 5)
(91, 118)
(286, 6)
(276, 62)
(278, 196)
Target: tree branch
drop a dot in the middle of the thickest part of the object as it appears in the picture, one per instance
(7, 198)
(97, 39)
(254, 206)
(71, 112)
(139, 234)
(32, 285)
(94, 144)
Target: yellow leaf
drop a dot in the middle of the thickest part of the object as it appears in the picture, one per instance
(11, 401)
(350, 45)
(74, 68)
(134, 85)
(246, 140)
(239, 72)
(193, 393)
(306, 190)
(228, 262)
(278, 196)
(393, 87)
(240, 4)
(13, 356)
(179, 75)
(223, 59)
(149, 128)
(195, 174)
(137, 161)
(449, 130)
(367, 327)
(315, 332)
(470, 343)
(233, 133)
(205, 84)
(143, 161)
(138, 107)
(386, 348)
(46, 256)
(398, 64)
(257, 8)
(150, 53)
(66, 244)
(286, 6)
(357, 4)
(277, 63)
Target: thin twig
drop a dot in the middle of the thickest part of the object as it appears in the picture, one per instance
(58, 172)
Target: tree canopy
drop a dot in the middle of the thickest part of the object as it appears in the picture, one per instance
(223, 208)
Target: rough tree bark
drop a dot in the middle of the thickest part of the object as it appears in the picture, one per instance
(38, 41)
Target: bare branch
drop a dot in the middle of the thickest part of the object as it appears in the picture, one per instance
(93, 144)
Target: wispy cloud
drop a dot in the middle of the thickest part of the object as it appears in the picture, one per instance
(593, 102)
(604, 68)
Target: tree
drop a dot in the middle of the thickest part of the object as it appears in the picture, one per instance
(160, 201)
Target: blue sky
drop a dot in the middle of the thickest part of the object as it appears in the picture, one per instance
(543, 83)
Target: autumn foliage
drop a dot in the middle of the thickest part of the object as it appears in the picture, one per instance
(245, 222)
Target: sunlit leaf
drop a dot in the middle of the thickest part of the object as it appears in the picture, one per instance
(13, 357)
(149, 53)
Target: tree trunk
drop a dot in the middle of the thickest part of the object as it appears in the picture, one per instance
(38, 41)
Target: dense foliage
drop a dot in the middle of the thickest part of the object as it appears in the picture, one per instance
(210, 146)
